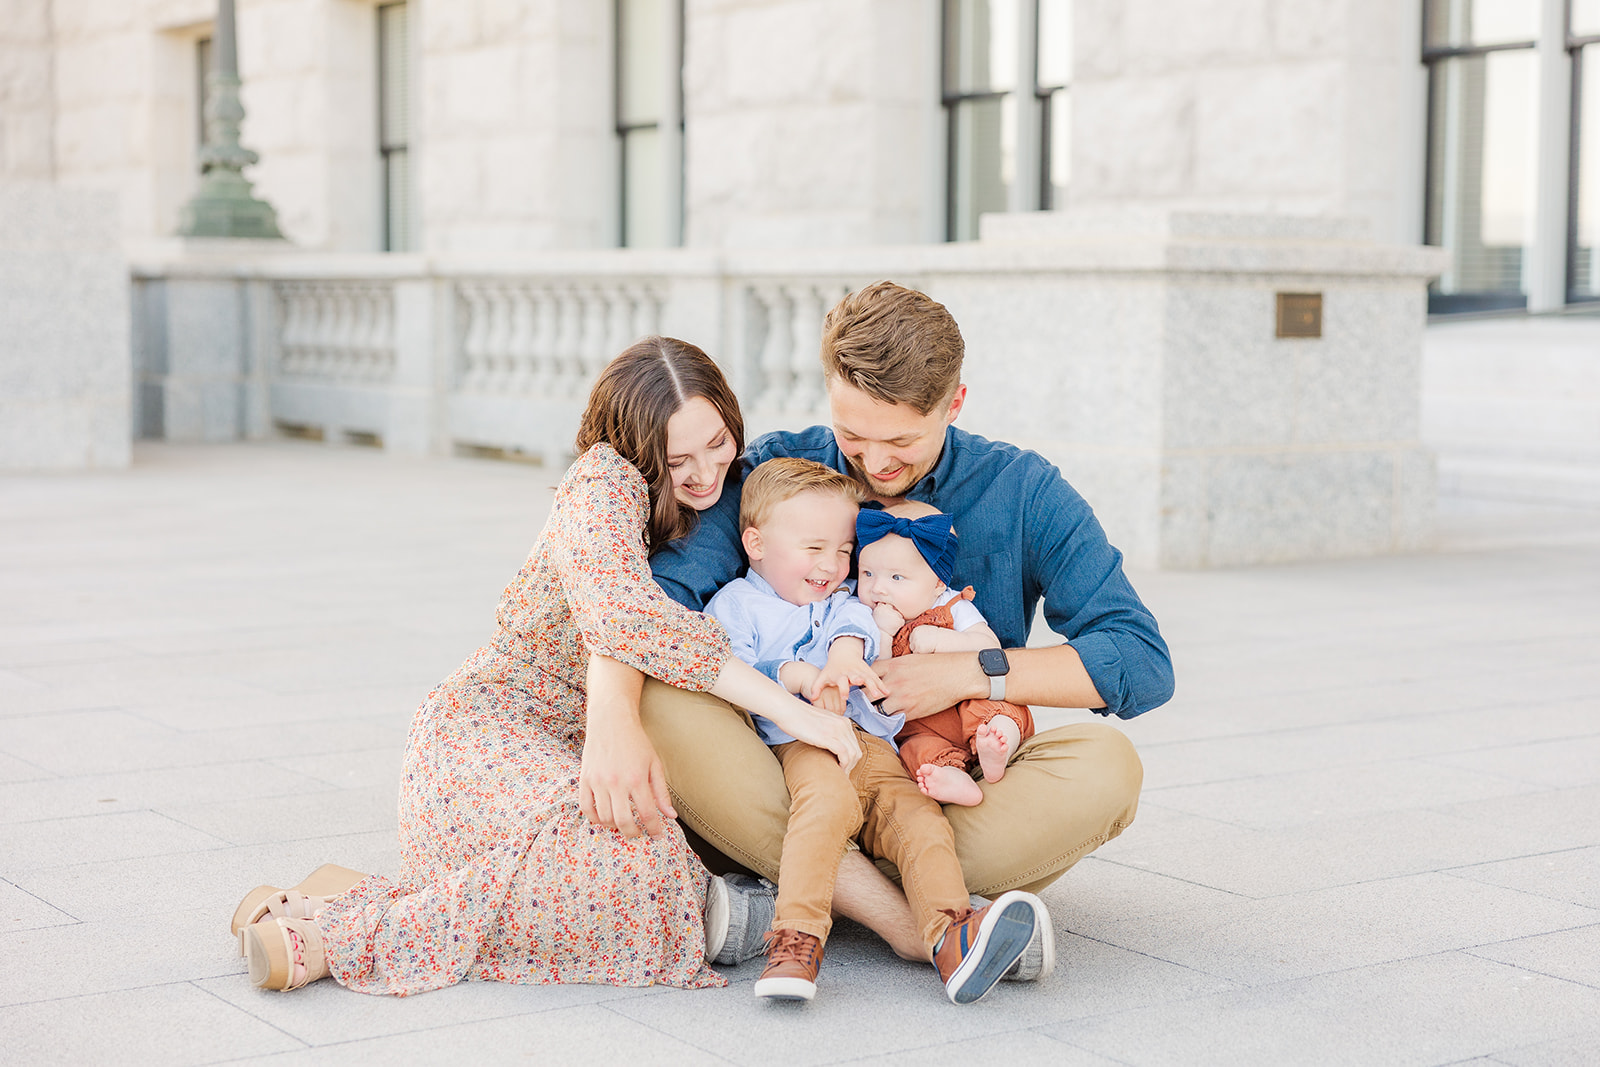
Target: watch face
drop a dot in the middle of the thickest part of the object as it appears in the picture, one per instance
(993, 662)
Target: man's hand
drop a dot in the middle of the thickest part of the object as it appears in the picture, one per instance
(922, 685)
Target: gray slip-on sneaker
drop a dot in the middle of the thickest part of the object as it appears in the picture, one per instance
(752, 905)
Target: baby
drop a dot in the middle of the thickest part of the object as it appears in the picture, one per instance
(793, 618)
(907, 555)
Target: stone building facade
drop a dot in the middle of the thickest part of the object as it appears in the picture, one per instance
(482, 196)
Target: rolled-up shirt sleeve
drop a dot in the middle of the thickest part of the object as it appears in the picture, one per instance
(1089, 601)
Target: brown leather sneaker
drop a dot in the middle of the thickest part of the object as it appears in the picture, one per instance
(793, 959)
(979, 946)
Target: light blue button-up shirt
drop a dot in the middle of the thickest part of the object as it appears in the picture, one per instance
(767, 631)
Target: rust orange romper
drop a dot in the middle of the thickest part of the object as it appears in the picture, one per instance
(945, 738)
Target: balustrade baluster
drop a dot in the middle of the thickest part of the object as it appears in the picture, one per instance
(596, 301)
(806, 322)
(519, 337)
(472, 360)
(569, 340)
(776, 374)
(619, 324)
(546, 363)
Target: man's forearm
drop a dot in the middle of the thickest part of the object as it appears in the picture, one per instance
(1052, 677)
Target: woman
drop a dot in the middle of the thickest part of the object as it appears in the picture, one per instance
(527, 776)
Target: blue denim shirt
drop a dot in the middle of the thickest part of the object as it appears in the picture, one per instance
(1025, 535)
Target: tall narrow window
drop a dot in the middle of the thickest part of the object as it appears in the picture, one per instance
(1583, 238)
(649, 121)
(980, 79)
(1482, 148)
(394, 126)
(1053, 75)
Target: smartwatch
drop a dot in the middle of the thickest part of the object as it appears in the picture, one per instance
(994, 663)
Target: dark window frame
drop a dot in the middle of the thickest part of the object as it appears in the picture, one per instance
(1575, 49)
(389, 151)
(622, 129)
(951, 102)
(1433, 57)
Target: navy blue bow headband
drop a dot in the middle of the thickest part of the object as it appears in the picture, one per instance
(931, 534)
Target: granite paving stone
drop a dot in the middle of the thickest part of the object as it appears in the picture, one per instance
(27, 846)
(1570, 954)
(1433, 1010)
(1370, 831)
(175, 1025)
(1260, 941)
(1571, 874)
(21, 910)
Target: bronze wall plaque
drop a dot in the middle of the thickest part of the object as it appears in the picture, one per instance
(1299, 314)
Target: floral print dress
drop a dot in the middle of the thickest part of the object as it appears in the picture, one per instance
(502, 876)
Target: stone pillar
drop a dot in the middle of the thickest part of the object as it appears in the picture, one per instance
(1138, 349)
(812, 124)
(1307, 106)
(65, 370)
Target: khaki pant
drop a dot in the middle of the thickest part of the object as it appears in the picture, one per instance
(894, 820)
(1066, 793)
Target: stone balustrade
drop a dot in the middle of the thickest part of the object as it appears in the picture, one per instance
(1135, 349)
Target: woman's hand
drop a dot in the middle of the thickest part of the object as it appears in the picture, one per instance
(822, 729)
(743, 686)
(621, 783)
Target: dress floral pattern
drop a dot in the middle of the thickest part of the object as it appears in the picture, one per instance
(502, 877)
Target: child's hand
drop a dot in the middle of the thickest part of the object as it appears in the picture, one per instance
(888, 619)
(927, 638)
(847, 667)
(797, 677)
(830, 699)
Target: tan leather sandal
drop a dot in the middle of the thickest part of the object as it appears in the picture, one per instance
(304, 901)
(284, 954)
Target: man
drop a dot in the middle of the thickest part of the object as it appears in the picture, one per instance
(892, 363)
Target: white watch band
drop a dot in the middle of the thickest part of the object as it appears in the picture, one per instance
(997, 687)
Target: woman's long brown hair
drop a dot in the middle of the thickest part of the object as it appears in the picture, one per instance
(629, 407)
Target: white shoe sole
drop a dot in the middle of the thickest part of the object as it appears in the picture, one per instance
(1001, 940)
(785, 989)
(716, 917)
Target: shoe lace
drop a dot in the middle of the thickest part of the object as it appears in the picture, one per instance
(785, 945)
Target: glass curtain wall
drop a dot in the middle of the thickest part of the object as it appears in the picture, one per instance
(394, 126)
(1054, 75)
(642, 48)
(1583, 238)
(980, 81)
(1482, 147)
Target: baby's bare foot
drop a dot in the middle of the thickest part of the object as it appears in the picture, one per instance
(949, 785)
(995, 741)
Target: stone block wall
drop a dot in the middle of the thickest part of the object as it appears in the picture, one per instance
(1303, 106)
(812, 123)
(65, 393)
(516, 131)
(27, 91)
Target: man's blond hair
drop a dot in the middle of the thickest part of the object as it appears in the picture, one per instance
(779, 479)
(895, 344)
